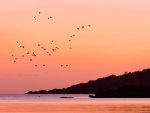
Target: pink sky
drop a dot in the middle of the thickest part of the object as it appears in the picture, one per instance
(117, 41)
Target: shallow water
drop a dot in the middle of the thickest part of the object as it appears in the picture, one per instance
(79, 104)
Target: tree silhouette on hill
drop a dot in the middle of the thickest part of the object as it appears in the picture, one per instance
(111, 82)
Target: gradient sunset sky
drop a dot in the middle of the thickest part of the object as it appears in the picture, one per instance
(118, 41)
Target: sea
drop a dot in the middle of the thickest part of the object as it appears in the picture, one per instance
(80, 103)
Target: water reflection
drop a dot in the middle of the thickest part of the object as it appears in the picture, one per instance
(50, 103)
(75, 107)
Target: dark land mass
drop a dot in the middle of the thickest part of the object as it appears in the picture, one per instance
(108, 83)
(126, 91)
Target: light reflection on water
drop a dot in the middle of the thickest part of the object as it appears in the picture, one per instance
(79, 104)
(74, 107)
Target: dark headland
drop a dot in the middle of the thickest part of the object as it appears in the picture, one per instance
(131, 84)
(126, 91)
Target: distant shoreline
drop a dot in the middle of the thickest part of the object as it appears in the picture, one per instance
(106, 84)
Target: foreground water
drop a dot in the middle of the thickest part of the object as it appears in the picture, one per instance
(51, 103)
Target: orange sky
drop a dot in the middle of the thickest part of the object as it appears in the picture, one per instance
(117, 41)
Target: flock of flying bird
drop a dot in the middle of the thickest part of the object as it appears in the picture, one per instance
(54, 49)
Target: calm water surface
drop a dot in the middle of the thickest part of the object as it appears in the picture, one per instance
(50, 103)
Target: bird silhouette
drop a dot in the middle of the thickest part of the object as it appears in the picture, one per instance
(61, 65)
(41, 47)
(39, 12)
(69, 40)
(66, 65)
(38, 44)
(50, 17)
(89, 25)
(43, 64)
(34, 16)
(82, 26)
(28, 52)
(11, 55)
(35, 65)
(44, 48)
(30, 59)
(52, 40)
(54, 49)
(21, 46)
(33, 54)
(73, 35)
(70, 47)
(49, 54)
(14, 61)
(15, 58)
(77, 28)
(17, 42)
(22, 55)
